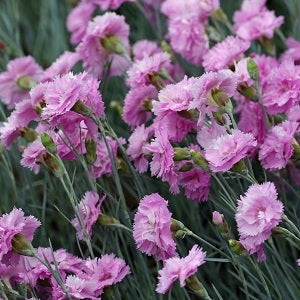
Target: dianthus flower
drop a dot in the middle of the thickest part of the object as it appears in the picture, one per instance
(257, 213)
(136, 143)
(15, 223)
(143, 48)
(226, 150)
(254, 20)
(162, 164)
(136, 101)
(283, 88)
(87, 213)
(277, 148)
(151, 229)
(179, 269)
(144, 71)
(22, 74)
(110, 4)
(174, 99)
(225, 53)
(106, 41)
(293, 51)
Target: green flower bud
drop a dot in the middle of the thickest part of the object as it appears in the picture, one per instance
(21, 245)
(252, 69)
(48, 143)
(113, 44)
(82, 109)
(91, 154)
(181, 154)
(26, 82)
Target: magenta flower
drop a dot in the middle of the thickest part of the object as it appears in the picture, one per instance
(225, 53)
(176, 268)
(78, 19)
(15, 223)
(87, 213)
(257, 213)
(110, 4)
(228, 149)
(293, 52)
(277, 148)
(162, 164)
(136, 101)
(106, 41)
(21, 75)
(151, 229)
(254, 20)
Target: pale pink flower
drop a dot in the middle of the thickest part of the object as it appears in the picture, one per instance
(15, 223)
(80, 288)
(141, 71)
(138, 139)
(241, 71)
(151, 229)
(258, 212)
(293, 114)
(277, 148)
(62, 65)
(136, 101)
(174, 99)
(217, 218)
(225, 53)
(78, 19)
(87, 213)
(196, 183)
(110, 4)
(228, 149)
(283, 88)
(92, 52)
(298, 262)
(293, 51)
(143, 48)
(254, 20)
(21, 75)
(162, 164)
(176, 268)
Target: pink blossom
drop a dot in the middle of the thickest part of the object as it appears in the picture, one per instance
(257, 213)
(162, 164)
(136, 101)
(196, 183)
(228, 149)
(81, 288)
(136, 141)
(176, 268)
(87, 213)
(217, 218)
(298, 262)
(110, 4)
(143, 48)
(277, 148)
(141, 71)
(174, 99)
(62, 65)
(254, 20)
(92, 52)
(151, 230)
(293, 51)
(225, 53)
(15, 223)
(241, 71)
(21, 75)
(283, 90)
(78, 19)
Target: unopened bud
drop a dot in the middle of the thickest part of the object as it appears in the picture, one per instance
(113, 44)
(167, 48)
(199, 160)
(237, 248)
(196, 286)
(296, 153)
(53, 164)
(248, 91)
(116, 106)
(26, 82)
(147, 104)
(48, 143)
(186, 167)
(29, 134)
(240, 167)
(220, 16)
(221, 224)
(181, 154)
(220, 98)
(91, 154)
(252, 69)
(219, 117)
(21, 245)
(155, 79)
(82, 109)
(105, 220)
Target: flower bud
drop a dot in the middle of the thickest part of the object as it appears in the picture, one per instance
(221, 224)
(296, 153)
(48, 143)
(220, 97)
(166, 48)
(186, 167)
(105, 220)
(248, 91)
(252, 69)
(91, 154)
(21, 245)
(155, 79)
(82, 109)
(53, 164)
(199, 160)
(237, 248)
(26, 82)
(113, 44)
(29, 134)
(116, 106)
(181, 154)
(196, 286)
(240, 167)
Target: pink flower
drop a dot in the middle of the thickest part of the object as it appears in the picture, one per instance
(15, 223)
(298, 262)
(277, 148)
(21, 75)
(162, 164)
(283, 88)
(217, 218)
(143, 48)
(136, 101)
(78, 19)
(254, 20)
(110, 4)
(62, 65)
(228, 149)
(225, 53)
(179, 269)
(173, 100)
(293, 52)
(109, 28)
(151, 229)
(136, 141)
(142, 71)
(87, 213)
(196, 183)
(257, 213)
